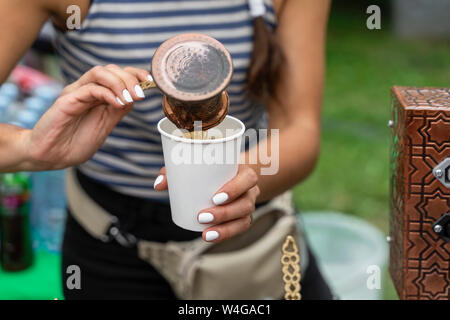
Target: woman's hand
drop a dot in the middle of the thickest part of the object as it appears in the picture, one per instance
(81, 119)
(235, 203)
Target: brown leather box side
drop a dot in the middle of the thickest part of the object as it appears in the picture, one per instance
(397, 193)
(426, 142)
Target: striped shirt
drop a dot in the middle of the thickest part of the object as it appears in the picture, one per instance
(127, 33)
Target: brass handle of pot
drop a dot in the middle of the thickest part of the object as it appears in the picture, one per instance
(147, 84)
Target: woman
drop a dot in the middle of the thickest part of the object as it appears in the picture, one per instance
(103, 109)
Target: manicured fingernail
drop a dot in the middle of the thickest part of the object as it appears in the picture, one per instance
(211, 235)
(126, 94)
(149, 77)
(220, 198)
(158, 180)
(205, 217)
(120, 101)
(139, 91)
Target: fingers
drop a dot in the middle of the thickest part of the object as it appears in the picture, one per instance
(227, 230)
(241, 207)
(119, 81)
(87, 97)
(98, 101)
(140, 74)
(244, 180)
(160, 183)
(235, 202)
(132, 91)
(106, 78)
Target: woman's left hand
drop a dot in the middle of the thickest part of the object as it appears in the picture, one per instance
(235, 203)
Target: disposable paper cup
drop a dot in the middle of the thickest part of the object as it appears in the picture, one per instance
(196, 169)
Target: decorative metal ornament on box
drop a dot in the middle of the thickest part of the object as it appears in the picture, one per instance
(420, 193)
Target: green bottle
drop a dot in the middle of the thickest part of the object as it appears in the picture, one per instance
(15, 249)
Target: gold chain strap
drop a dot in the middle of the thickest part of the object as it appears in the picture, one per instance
(291, 269)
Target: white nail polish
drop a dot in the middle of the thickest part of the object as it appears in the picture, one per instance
(220, 198)
(149, 78)
(139, 91)
(120, 101)
(158, 180)
(127, 96)
(211, 235)
(205, 217)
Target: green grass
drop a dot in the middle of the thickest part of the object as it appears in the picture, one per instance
(352, 174)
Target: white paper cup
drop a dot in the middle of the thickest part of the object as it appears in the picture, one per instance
(196, 169)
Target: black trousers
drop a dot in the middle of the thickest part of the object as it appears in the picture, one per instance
(112, 271)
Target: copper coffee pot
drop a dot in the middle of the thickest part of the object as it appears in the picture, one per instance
(192, 71)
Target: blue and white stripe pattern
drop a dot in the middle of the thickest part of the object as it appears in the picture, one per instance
(127, 33)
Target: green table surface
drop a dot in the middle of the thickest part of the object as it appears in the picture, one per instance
(42, 281)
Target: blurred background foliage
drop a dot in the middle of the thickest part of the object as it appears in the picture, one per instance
(352, 175)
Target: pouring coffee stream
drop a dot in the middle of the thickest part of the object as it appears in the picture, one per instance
(192, 71)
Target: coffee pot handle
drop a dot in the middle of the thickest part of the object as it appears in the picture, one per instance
(147, 84)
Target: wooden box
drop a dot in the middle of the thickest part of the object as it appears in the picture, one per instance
(420, 192)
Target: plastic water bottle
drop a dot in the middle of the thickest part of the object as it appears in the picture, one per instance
(25, 119)
(47, 93)
(4, 105)
(36, 105)
(10, 91)
(12, 112)
(49, 203)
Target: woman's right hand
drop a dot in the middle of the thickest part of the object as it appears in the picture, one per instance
(81, 119)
